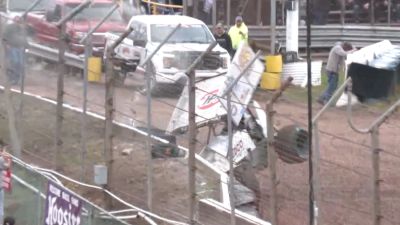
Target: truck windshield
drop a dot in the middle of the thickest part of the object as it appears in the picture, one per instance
(195, 33)
(95, 12)
(22, 5)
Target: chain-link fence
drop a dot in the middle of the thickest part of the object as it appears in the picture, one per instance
(159, 173)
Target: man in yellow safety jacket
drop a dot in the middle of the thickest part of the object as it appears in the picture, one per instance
(238, 33)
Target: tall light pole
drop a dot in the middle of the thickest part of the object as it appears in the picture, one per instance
(310, 126)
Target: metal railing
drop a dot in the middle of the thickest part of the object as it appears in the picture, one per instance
(327, 35)
(51, 54)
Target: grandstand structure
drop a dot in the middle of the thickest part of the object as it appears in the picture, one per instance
(373, 25)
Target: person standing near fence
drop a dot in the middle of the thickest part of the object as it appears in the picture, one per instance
(238, 33)
(335, 61)
(15, 41)
(4, 165)
(223, 39)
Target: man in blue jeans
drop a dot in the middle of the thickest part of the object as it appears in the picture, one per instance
(336, 58)
(15, 42)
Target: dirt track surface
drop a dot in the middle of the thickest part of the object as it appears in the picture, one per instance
(345, 166)
(345, 190)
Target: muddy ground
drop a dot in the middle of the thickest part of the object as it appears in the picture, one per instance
(345, 166)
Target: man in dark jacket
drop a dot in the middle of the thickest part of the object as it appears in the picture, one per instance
(223, 39)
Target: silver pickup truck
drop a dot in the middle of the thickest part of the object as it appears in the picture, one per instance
(177, 54)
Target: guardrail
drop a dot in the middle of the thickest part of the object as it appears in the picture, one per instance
(52, 55)
(326, 36)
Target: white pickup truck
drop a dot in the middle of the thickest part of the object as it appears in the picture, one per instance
(184, 46)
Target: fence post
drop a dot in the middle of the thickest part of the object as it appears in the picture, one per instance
(61, 24)
(316, 181)
(259, 11)
(60, 95)
(389, 9)
(372, 11)
(88, 53)
(214, 13)
(272, 163)
(87, 40)
(273, 26)
(231, 156)
(311, 199)
(196, 9)
(228, 93)
(185, 7)
(272, 155)
(192, 146)
(190, 72)
(376, 175)
(228, 12)
(342, 12)
(109, 116)
(148, 140)
(20, 111)
(146, 62)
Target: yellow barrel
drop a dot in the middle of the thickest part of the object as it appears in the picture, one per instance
(270, 81)
(273, 63)
(94, 69)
